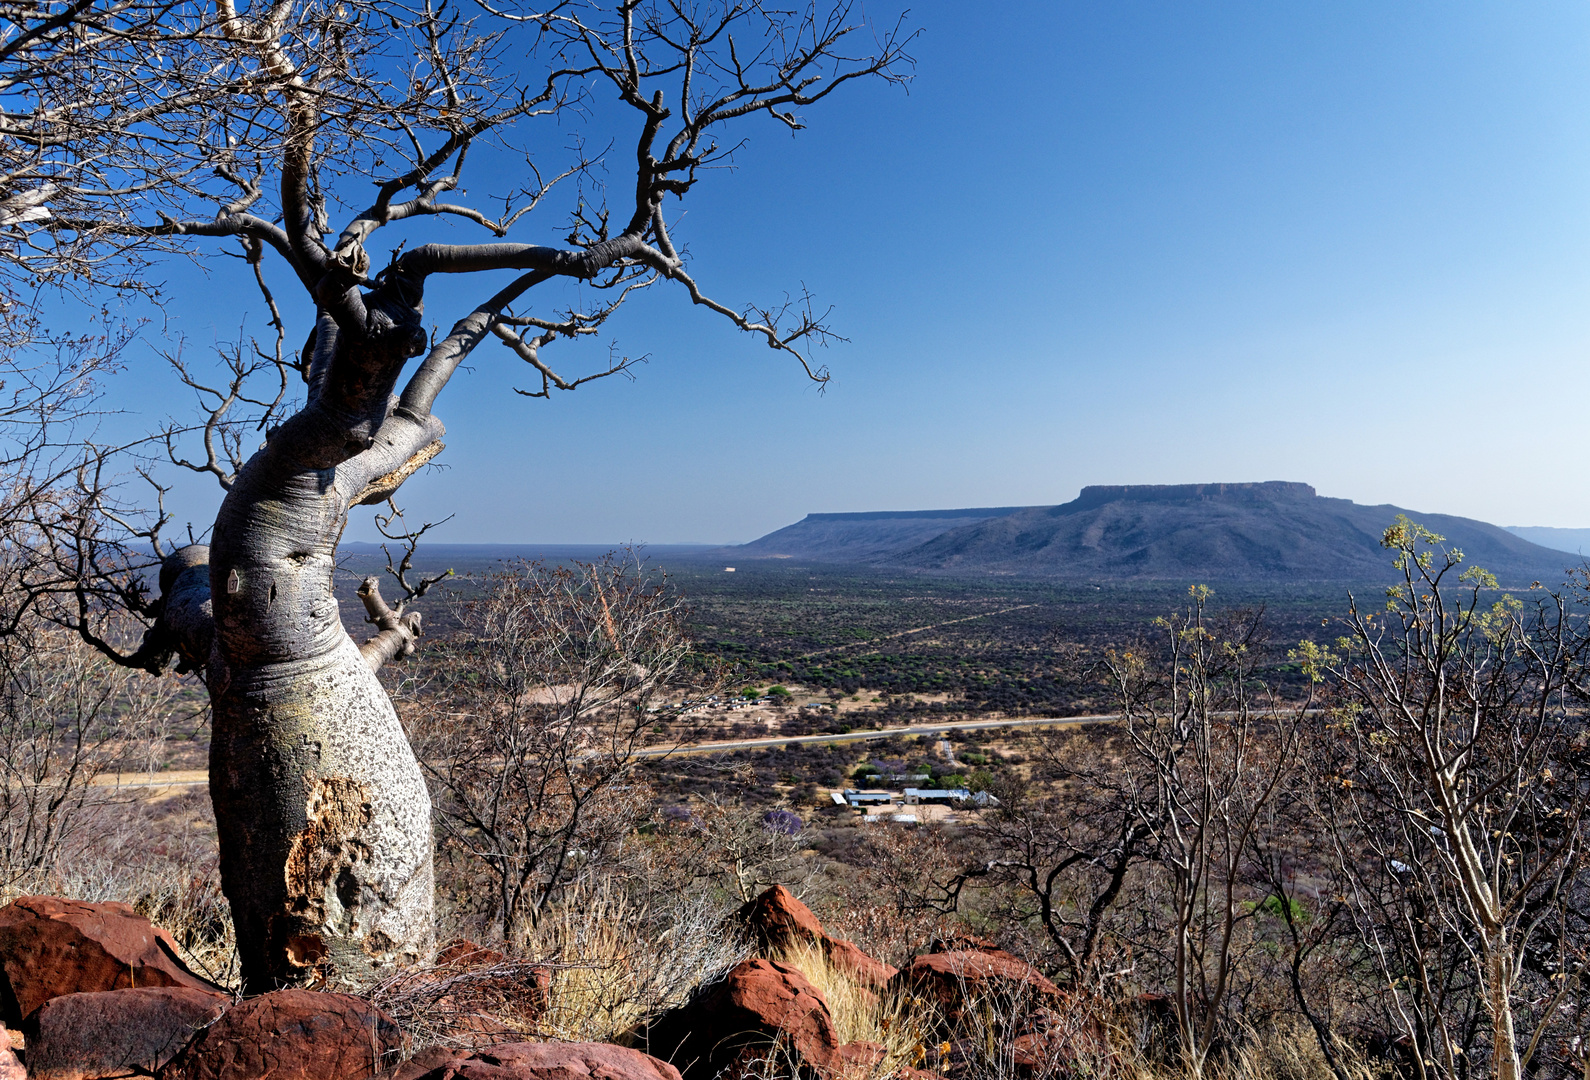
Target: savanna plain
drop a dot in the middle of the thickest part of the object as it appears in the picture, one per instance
(1306, 830)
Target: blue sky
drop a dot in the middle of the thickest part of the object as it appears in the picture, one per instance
(1116, 242)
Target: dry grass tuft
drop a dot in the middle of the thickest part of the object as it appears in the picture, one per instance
(594, 968)
(902, 1026)
(617, 961)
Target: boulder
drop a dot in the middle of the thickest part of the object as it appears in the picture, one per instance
(291, 1035)
(432, 1057)
(115, 1032)
(968, 943)
(10, 1067)
(1057, 1053)
(471, 996)
(847, 957)
(728, 1026)
(953, 979)
(50, 947)
(537, 1061)
(857, 1059)
(778, 920)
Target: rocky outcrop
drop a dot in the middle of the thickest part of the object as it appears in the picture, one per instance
(51, 947)
(291, 1035)
(762, 1008)
(115, 1032)
(536, 1061)
(779, 921)
(952, 980)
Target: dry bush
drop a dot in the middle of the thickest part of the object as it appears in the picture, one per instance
(157, 853)
(727, 848)
(617, 960)
(1287, 1050)
(62, 708)
(598, 964)
(464, 1002)
(528, 728)
(1001, 1037)
(904, 887)
(69, 719)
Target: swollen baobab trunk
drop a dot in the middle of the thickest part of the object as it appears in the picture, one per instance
(324, 819)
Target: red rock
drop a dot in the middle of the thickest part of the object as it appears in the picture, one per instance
(951, 979)
(780, 921)
(291, 1035)
(737, 1021)
(542, 1061)
(849, 958)
(115, 1032)
(10, 1067)
(778, 918)
(857, 1059)
(969, 943)
(422, 1063)
(50, 947)
(464, 952)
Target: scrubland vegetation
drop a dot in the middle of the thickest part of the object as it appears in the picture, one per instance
(1369, 866)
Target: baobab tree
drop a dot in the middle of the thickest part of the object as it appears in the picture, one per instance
(132, 128)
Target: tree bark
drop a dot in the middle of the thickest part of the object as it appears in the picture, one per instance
(323, 814)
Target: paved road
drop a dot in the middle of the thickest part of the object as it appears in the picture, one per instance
(878, 733)
(197, 778)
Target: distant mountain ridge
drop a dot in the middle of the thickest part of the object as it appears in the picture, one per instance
(865, 536)
(1574, 540)
(1275, 530)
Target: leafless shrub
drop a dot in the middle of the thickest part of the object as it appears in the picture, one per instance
(67, 716)
(529, 730)
(1065, 853)
(905, 891)
(465, 1001)
(717, 844)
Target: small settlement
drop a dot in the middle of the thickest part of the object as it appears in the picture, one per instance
(913, 805)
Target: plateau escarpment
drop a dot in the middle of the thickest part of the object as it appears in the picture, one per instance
(1250, 532)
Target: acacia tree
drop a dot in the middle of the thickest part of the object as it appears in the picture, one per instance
(131, 129)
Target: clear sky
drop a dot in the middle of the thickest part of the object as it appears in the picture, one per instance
(1111, 242)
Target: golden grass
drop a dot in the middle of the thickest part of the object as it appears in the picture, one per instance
(617, 962)
(902, 1026)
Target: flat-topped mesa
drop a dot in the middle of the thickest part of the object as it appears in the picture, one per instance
(1265, 491)
(907, 515)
